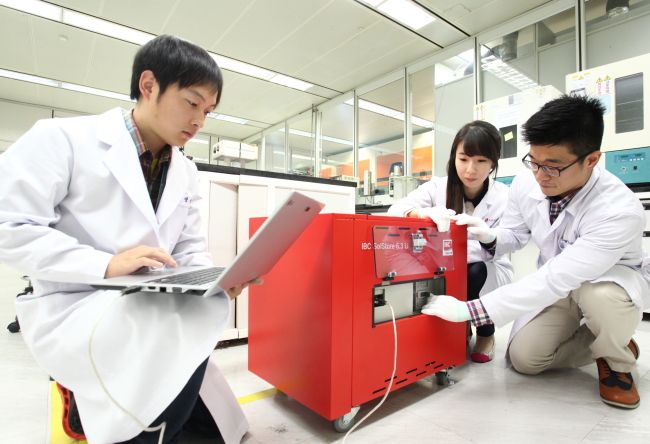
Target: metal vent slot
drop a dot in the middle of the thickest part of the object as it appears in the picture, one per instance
(399, 382)
(377, 391)
(629, 103)
(411, 371)
(421, 373)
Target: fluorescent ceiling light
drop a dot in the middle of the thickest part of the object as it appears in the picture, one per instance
(373, 2)
(507, 73)
(28, 78)
(407, 13)
(110, 29)
(341, 141)
(106, 28)
(421, 122)
(35, 7)
(228, 118)
(389, 112)
(299, 156)
(260, 73)
(306, 134)
(467, 56)
(291, 82)
(201, 141)
(241, 67)
(96, 92)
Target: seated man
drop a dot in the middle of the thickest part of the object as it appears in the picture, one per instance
(102, 196)
(587, 296)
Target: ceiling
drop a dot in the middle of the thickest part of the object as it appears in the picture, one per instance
(336, 45)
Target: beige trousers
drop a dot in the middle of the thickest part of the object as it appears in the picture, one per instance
(555, 339)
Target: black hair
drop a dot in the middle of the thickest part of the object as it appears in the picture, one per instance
(175, 61)
(479, 139)
(576, 122)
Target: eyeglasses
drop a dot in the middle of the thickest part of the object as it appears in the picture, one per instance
(551, 171)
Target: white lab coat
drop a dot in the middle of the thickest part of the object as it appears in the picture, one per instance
(596, 238)
(490, 209)
(73, 195)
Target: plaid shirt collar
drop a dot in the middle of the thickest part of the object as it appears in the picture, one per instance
(154, 171)
(165, 153)
(558, 205)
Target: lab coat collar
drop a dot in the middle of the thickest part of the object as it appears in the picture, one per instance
(544, 205)
(123, 162)
(176, 184)
(574, 205)
(536, 192)
(483, 207)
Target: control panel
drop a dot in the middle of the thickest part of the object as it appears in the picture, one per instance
(631, 166)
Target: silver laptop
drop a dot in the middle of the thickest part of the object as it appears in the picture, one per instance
(265, 248)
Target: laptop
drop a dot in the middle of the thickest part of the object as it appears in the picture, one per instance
(265, 248)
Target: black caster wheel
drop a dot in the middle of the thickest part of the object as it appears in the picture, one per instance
(14, 327)
(341, 425)
(442, 377)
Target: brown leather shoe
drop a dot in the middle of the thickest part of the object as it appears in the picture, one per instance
(617, 388)
(634, 348)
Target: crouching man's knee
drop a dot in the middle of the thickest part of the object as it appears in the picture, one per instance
(524, 359)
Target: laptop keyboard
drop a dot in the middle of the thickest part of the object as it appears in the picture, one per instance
(198, 277)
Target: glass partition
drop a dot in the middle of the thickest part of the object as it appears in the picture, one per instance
(198, 148)
(381, 134)
(556, 49)
(255, 164)
(454, 102)
(508, 64)
(423, 115)
(301, 147)
(337, 143)
(274, 152)
(541, 54)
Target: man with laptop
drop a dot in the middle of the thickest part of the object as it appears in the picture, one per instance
(95, 197)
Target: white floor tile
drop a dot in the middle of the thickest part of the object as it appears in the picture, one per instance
(486, 404)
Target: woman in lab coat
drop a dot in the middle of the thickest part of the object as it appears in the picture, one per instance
(74, 199)
(468, 188)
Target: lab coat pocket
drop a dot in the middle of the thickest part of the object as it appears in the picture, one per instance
(563, 243)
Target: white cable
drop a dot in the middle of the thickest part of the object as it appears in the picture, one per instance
(160, 427)
(391, 379)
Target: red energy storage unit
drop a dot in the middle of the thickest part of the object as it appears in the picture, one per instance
(318, 329)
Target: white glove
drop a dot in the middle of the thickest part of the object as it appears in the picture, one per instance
(477, 227)
(448, 308)
(440, 215)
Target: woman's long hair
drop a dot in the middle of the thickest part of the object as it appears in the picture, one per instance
(479, 139)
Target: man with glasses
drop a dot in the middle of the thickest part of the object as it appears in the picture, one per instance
(587, 296)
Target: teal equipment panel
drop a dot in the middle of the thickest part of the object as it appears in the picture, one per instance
(507, 179)
(631, 166)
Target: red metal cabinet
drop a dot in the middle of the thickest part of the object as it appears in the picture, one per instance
(311, 330)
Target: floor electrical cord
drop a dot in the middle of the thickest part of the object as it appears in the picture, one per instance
(391, 379)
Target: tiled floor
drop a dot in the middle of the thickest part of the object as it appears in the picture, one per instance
(487, 403)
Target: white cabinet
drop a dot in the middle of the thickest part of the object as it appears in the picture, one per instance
(230, 200)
